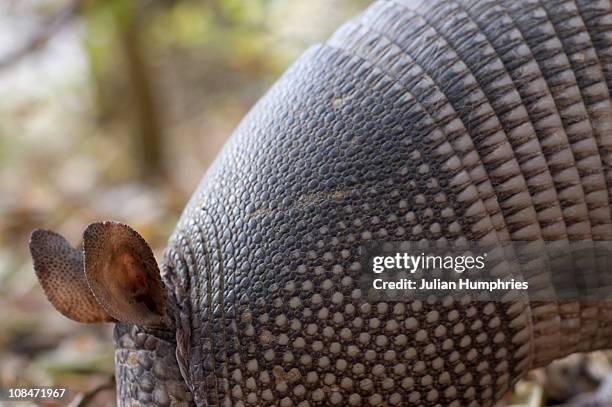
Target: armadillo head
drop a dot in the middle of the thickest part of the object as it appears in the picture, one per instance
(115, 278)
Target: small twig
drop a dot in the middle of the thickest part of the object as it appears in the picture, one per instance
(83, 399)
(44, 34)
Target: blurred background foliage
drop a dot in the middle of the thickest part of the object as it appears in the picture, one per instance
(113, 109)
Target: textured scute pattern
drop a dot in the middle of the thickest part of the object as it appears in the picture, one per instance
(550, 41)
(59, 268)
(374, 46)
(527, 76)
(597, 15)
(461, 35)
(371, 46)
(508, 148)
(282, 317)
(582, 61)
(582, 55)
(553, 31)
(477, 120)
(433, 54)
(146, 370)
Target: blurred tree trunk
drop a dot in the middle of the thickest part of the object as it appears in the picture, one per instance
(148, 129)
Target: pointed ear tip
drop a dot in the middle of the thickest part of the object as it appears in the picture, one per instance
(112, 230)
(96, 227)
(93, 229)
(38, 239)
(37, 234)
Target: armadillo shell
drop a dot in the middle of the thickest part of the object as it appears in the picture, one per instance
(359, 40)
(445, 158)
(563, 79)
(386, 55)
(583, 64)
(542, 37)
(369, 141)
(574, 190)
(550, 124)
(403, 132)
(441, 160)
(586, 67)
(597, 15)
(550, 35)
(469, 101)
(481, 61)
(544, 322)
(542, 112)
(462, 34)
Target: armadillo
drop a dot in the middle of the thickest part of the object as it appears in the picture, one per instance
(485, 120)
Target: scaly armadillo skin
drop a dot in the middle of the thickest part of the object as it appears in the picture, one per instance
(380, 18)
(464, 92)
(480, 120)
(572, 94)
(373, 47)
(147, 368)
(295, 327)
(597, 16)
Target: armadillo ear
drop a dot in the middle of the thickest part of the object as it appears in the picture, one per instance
(59, 268)
(123, 274)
